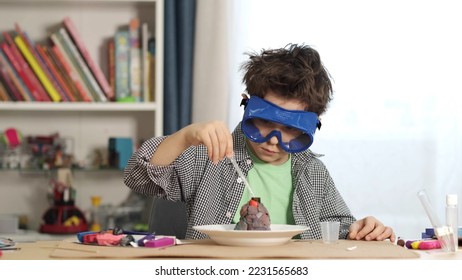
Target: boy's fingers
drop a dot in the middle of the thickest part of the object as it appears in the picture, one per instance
(354, 227)
(214, 138)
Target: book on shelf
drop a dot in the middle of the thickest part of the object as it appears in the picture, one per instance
(52, 75)
(66, 79)
(21, 88)
(149, 62)
(40, 94)
(135, 60)
(45, 76)
(4, 83)
(152, 69)
(11, 70)
(95, 69)
(67, 60)
(8, 83)
(57, 41)
(54, 95)
(61, 68)
(61, 57)
(68, 95)
(81, 67)
(111, 63)
(35, 96)
(145, 62)
(4, 96)
(122, 56)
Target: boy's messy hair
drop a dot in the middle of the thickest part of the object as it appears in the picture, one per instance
(295, 71)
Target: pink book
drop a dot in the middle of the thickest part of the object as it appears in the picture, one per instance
(95, 69)
(26, 68)
(14, 62)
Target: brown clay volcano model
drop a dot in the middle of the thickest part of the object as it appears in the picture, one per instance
(254, 216)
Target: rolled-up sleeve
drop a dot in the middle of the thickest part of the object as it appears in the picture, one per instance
(145, 178)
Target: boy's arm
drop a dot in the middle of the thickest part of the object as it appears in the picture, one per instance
(169, 149)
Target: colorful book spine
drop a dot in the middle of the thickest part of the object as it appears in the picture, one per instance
(20, 71)
(66, 60)
(152, 68)
(26, 68)
(70, 72)
(82, 67)
(95, 69)
(31, 47)
(135, 60)
(4, 96)
(111, 63)
(122, 56)
(15, 95)
(52, 76)
(67, 79)
(17, 82)
(54, 95)
(67, 96)
(145, 62)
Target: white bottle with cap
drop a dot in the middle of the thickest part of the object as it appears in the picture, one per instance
(452, 215)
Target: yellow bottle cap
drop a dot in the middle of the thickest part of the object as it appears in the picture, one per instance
(95, 200)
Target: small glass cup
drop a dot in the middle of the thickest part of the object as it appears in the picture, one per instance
(330, 231)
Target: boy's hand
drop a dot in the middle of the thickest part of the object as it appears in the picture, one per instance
(370, 228)
(214, 135)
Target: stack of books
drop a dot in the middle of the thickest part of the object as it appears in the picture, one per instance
(62, 70)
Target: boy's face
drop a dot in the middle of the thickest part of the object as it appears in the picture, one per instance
(270, 151)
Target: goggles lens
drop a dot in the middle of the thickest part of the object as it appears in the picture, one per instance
(294, 129)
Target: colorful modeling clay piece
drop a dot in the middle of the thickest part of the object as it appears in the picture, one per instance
(429, 244)
(108, 239)
(254, 216)
(80, 235)
(89, 238)
(143, 240)
(161, 242)
(426, 244)
(401, 242)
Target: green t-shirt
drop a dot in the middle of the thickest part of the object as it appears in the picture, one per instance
(273, 184)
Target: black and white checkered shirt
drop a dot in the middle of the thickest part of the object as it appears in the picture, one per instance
(212, 192)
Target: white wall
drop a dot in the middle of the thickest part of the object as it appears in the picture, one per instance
(395, 125)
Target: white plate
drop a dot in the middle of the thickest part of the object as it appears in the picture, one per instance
(226, 235)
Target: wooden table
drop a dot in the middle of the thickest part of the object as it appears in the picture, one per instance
(200, 249)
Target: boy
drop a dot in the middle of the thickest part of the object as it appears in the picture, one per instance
(289, 89)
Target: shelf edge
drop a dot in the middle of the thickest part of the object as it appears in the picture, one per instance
(76, 106)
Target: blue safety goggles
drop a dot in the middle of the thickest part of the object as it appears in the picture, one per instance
(293, 128)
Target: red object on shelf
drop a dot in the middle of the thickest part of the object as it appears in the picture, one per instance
(63, 219)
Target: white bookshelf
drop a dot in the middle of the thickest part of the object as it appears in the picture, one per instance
(89, 125)
(96, 20)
